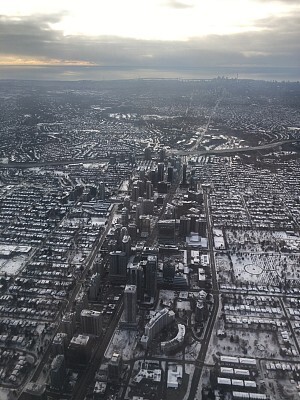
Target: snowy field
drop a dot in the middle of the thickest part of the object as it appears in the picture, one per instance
(260, 257)
(12, 265)
(124, 342)
(266, 268)
(262, 241)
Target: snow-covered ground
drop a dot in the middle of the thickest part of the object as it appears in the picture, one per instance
(124, 342)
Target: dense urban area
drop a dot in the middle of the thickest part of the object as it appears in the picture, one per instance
(150, 240)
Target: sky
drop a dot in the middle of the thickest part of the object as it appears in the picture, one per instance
(103, 39)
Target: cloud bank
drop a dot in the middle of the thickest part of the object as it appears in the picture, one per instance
(31, 41)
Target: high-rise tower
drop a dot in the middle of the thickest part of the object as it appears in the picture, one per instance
(130, 299)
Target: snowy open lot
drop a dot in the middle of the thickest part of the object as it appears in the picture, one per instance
(260, 257)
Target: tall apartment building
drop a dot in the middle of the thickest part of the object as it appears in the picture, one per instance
(58, 373)
(117, 267)
(68, 324)
(91, 322)
(160, 172)
(159, 321)
(150, 275)
(130, 300)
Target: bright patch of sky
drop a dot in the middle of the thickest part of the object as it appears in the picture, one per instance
(176, 20)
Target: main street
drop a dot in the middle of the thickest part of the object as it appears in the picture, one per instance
(214, 312)
(85, 380)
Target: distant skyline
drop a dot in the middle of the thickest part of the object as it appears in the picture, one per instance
(115, 39)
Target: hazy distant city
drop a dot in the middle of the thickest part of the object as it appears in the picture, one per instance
(150, 239)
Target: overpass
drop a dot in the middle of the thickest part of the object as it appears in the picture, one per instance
(233, 150)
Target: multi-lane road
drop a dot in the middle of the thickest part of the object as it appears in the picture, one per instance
(189, 152)
(216, 301)
(234, 150)
(88, 375)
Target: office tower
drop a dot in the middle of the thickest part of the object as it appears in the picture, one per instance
(162, 187)
(117, 267)
(140, 185)
(177, 163)
(98, 266)
(102, 191)
(115, 368)
(58, 373)
(166, 231)
(126, 245)
(80, 350)
(142, 174)
(94, 286)
(140, 202)
(135, 193)
(149, 190)
(170, 174)
(184, 226)
(59, 343)
(140, 282)
(202, 227)
(201, 311)
(124, 216)
(148, 206)
(132, 231)
(127, 202)
(193, 181)
(150, 273)
(68, 324)
(138, 213)
(160, 172)
(91, 322)
(117, 235)
(148, 154)
(130, 299)
(193, 218)
(132, 273)
(158, 322)
(162, 155)
(160, 199)
(184, 168)
(144, 225)
(153, 177)
(168, 273)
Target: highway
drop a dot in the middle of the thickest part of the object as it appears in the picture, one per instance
(194, 148)
(214, 312)
(35, 164)
(192, 152)
(189, 152)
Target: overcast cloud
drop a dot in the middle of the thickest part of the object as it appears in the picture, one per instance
(30, 40)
